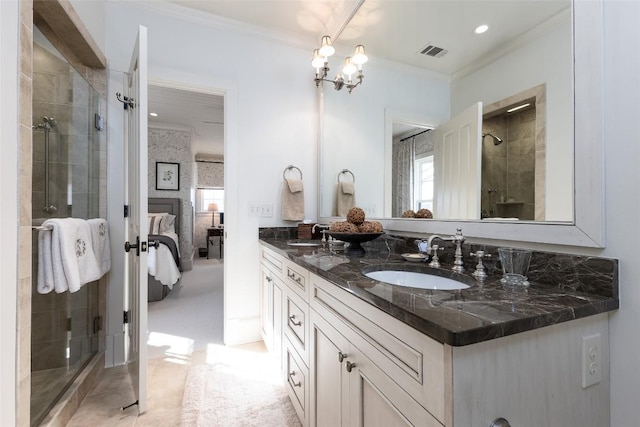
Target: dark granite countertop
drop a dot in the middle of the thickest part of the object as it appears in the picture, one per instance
(563, 287)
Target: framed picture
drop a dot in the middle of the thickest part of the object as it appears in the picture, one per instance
(167, 176)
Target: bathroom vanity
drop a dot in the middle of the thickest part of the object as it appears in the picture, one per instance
(356, 351)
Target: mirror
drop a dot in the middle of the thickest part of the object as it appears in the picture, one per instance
(346, 119)
(524, 57)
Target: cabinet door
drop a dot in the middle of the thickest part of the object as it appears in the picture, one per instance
(376, 400)
(266, 307)
(329, 384)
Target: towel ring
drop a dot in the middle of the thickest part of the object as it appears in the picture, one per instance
(288, 168)
(344, 171)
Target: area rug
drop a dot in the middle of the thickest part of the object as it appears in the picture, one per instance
(235, 392)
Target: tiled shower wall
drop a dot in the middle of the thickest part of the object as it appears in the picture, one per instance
(508, 169)
(524, 144)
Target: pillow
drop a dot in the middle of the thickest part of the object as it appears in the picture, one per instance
(168, 224)
(154, 222)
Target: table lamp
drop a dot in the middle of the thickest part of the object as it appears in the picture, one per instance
(213, 208)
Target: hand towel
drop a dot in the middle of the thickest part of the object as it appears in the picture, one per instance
(295, 185)
(345, 199)
(100, 243)
(292, 200)
(74, 262)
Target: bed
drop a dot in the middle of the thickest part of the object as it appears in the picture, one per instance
(164, 261)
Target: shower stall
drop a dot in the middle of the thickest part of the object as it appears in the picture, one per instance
(66, 182)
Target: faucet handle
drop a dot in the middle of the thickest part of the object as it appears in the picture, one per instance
(435, 261)
(480, 272)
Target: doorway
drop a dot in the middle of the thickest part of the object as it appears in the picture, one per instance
(186, 126)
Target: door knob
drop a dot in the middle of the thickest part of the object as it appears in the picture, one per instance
(128, 246)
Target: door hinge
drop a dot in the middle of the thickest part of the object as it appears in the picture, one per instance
(126, 211)
(126, 317)
(69, 324)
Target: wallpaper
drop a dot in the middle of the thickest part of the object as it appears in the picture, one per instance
(174, 146)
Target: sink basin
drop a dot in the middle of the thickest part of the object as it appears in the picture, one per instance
(412, 279)
(302, 243)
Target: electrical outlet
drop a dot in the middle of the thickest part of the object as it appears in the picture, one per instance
(591, 360)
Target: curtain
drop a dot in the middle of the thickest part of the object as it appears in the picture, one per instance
(403, 159)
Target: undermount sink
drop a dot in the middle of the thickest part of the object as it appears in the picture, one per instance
(302, 244)
(412, 279)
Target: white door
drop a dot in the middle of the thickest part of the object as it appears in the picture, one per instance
(136, 221)
(457, 166)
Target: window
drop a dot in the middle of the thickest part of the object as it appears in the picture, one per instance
(206, 196)
(423, 183)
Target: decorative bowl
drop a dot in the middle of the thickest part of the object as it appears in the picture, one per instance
(354, 240)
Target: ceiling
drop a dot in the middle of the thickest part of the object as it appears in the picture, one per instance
(394, 30)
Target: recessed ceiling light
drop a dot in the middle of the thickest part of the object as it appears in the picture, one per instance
(481, 29)
(519, 107)
(153, 114)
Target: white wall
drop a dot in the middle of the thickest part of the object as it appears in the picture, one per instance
(91, 12)
(270, 115)
(622, 149)
(546, 59)
(9, 48)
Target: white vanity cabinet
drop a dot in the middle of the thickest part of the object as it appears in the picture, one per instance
(348, 389)
(371, 369)
(346, 362)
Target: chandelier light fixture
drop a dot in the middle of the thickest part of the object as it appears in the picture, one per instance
(352, 65)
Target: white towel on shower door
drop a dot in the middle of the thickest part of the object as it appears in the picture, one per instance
(100, 242)
(74, 262)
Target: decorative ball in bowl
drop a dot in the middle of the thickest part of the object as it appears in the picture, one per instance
(354, 240)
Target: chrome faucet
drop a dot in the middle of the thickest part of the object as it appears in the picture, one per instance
(323, 229)
(458, 239)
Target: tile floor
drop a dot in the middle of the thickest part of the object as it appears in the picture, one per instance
(166, 381)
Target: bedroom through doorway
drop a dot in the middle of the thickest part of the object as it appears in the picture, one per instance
(186, 137)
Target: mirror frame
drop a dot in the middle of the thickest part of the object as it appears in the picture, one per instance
(587, 230)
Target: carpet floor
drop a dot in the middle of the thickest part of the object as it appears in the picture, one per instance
(236, 388)
(191, 316)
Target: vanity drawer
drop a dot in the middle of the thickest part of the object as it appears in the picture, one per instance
(297, 278)
(296, 316)
(297, 386)
(272, 260)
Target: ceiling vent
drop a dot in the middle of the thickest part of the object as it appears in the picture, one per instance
(433, 51)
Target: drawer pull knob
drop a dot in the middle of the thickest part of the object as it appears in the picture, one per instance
(299, 279)
(269, 279)
(500, 422)
(292, 319)
(293, 382)
(341, 356)
(350, 366)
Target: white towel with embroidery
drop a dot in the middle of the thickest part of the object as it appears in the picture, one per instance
(74, 262)
(100, 243)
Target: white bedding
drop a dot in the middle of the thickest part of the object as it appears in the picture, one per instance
(161, 264)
